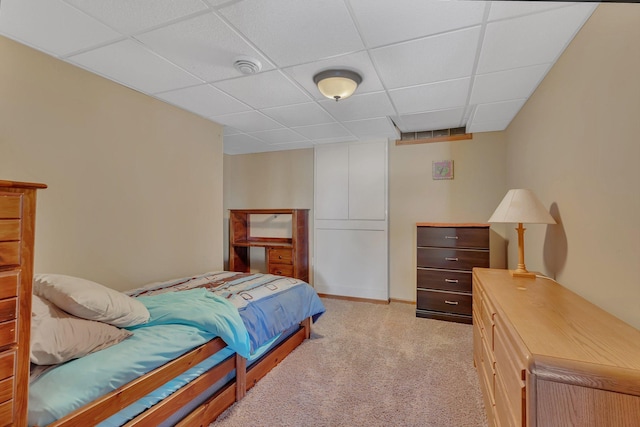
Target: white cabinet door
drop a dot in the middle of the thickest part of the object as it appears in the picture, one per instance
(351, 235)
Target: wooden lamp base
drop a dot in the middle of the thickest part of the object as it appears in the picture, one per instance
(521, 271)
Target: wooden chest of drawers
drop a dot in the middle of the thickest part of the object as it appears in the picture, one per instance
(17, 219)
(548, 358)
(446, 254)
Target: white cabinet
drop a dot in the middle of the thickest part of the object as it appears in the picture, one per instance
(351, 225)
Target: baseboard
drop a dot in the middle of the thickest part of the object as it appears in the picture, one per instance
(342, 297)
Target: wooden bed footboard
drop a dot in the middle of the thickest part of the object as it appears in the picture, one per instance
(204, 414)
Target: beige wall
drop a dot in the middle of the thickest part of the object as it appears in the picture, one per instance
(135, 185)
(414, 196)
(576, 144)
(275, 180)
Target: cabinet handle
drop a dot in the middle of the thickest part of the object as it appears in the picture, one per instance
(451, 258)
(451, 280)
(279, 256)
(451, 302)
(451, 237)
(280, 272)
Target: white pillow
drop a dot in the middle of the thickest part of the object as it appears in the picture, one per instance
(90, 300)
(57, 336)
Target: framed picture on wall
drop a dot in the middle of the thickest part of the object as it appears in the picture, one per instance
(442, 169)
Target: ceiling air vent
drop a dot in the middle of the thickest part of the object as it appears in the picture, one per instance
(439, 135)
(247, 65)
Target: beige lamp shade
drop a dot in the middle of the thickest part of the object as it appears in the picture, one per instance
(521, 206)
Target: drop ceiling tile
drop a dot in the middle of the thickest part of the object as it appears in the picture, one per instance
(497, 111)
(293, 32)
(305, 114)
(380, 127)
(433, 96)
(492, 126)
(433, 120)
(333, 140)
(291, 146)
(358, 62)
(505, 85)
(150, 75)
(530, 40)
(52, 26)
(431, 59)
(264, 90)
(383, 22)
(249, 121)
(130, 16)
(279, 136)
(507, 9)
(203, 45)
(358, 107)
(228, 130)
(324, 131)
(204, 100)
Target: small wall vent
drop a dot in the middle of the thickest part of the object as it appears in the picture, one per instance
(439, 135)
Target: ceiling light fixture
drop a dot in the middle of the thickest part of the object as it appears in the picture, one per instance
(247, 65)
(337, 84)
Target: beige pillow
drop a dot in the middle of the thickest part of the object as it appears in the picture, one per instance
(57, 336)
(90, 300)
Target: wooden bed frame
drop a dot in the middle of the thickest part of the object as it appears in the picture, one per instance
(208, 411)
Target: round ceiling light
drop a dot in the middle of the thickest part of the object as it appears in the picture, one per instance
(337, 84)
(247, 65)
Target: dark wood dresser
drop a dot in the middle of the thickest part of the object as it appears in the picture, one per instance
(446, 255)
(17, 223)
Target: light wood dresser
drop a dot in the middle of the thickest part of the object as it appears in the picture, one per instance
(547, 357)
(17, 223)
(286, 256)
(445, 254)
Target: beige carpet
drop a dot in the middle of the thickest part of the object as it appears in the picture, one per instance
(369, 365)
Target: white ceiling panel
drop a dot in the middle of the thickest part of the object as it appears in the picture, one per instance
(131, 16)
(279, 136)
(52, 26)
(249, 121)
(264, 90)
(204, 100)
(443, 119)
(299, 115)
(425, 64)
(325, 131)
(431, 59)
(152, 73)
(505, 85)
(498, 111)
(434, 96)
(203, 45)
(380, 127)
(530, 40)
(360, 106)
(384, 22)
(322, 28)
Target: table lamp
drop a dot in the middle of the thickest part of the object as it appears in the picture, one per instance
(521, 206)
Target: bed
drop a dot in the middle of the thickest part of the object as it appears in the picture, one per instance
(206, 340)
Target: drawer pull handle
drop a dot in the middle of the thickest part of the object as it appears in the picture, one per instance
(280, 272)
(451, 237)
(451, 302)
(279, 256)
(451, 280)
(451, 258)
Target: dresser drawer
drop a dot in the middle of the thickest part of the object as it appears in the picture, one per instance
(8, 309)
(445, 280)
(6, 413)
(7, 333)
(9, 254)
(281, 269)
(10, 206)
(9, 284)
(510, 375)
(7, 363)
(453, 237)
(453, 259)
(9, 229)
(448, 302)
(6, 389)
(280, 256)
